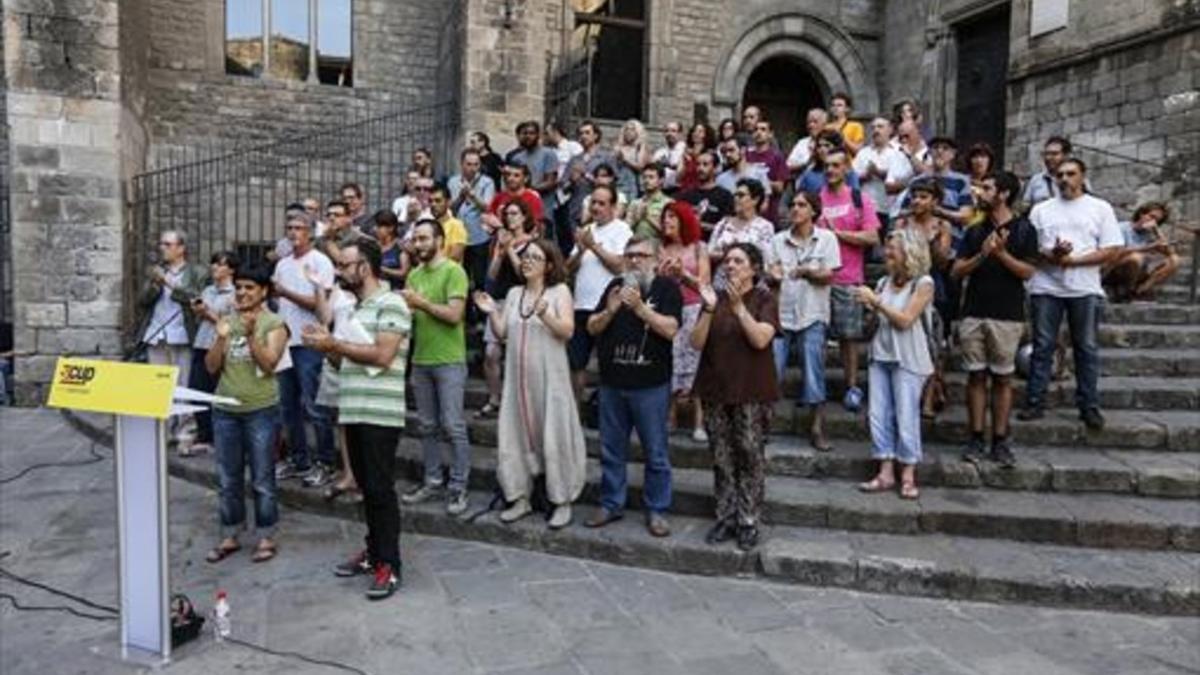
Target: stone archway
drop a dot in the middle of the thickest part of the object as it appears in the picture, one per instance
(825, 50)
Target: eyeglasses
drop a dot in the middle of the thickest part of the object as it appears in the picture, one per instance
(168, 243)
(289, 228)
(1065, 174)
(334, 214)
(422, 188)
(532, 257)
(351, 197)
(741, 193)
(636, 255)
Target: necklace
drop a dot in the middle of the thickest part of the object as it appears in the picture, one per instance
(521, 305)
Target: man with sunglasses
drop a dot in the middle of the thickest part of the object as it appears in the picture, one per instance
(297, 297)
(1077, 234)
(634, 325)
(340, 230)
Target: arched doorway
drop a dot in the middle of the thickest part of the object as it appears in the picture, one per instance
(785, 88)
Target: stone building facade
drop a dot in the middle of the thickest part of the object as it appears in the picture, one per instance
(98, 91)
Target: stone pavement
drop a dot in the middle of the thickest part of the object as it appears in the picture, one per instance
(476, 608)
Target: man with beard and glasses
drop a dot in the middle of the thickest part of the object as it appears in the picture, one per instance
(634, 326)
(371, 406)
(437, 295)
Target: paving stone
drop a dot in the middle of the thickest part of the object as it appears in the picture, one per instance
(921, 662)
(623, 663)
(644, 593)
(487, 590)
(691, 635)
(744, 664)
(575, 604)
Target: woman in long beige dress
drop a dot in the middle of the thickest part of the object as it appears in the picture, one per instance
(539, 428)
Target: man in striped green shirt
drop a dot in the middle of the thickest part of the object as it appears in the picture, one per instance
(371, 407)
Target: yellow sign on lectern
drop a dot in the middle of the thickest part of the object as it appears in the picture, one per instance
(112, 387)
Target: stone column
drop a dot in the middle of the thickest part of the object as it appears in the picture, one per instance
(504, 70)
(61, 60)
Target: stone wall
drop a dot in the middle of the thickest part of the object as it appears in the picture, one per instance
(1131, 91)
(396, 58)
(63, 104)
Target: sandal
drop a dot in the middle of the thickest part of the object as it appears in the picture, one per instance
(264, 552)
(488, 411)
(876, 484)
(219, 553)
(908, 490)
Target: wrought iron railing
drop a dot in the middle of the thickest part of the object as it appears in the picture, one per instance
(234, 198)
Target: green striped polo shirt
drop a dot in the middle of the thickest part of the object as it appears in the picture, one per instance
(377, 399)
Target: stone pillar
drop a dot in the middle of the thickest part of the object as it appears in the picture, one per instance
(61, 60)
(505, 64)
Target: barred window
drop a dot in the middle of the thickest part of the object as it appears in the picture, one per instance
(306, 40)
(613, 35)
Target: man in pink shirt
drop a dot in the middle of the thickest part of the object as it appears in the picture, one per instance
(851, 216)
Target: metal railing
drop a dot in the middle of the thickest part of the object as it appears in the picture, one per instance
(234, 198)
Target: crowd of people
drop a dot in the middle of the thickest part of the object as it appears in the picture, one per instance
(693, 275)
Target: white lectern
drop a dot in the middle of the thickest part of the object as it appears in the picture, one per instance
(141, 398)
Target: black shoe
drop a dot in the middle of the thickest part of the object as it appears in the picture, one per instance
(1002, 455)
(1092, 419)
(359, 564)
(747, 537)
(1035, 412)
(384, 584)
(975, 452)
(722, 531)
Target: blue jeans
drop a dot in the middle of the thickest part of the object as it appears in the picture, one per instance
(810, 344)
(439, 393)
(246, 439)
(894, 412)
(297, 400)
(1083, 319)
(621, 411)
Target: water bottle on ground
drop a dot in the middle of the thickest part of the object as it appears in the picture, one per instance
(221, 625)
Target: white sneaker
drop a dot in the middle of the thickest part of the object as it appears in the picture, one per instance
(517, 511)
(457, 503)
(700, 435)
(561, 517)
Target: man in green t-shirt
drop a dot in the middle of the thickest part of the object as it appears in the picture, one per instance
(436, 292)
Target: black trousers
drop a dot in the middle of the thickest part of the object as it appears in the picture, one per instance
(372, 451)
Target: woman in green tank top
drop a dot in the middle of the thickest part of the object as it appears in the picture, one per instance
(249, 346)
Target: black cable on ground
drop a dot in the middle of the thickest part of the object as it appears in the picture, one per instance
(294, 655)
(113, 610)
(95, 457)
(54, 608)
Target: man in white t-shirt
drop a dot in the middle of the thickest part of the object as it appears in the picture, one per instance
(883, 171)
(670, 156)
(1077, 234)
(297, 296)
(802, 152)
(595, 261)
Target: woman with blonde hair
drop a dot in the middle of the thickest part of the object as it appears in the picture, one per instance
(633, 154)
(900, 360)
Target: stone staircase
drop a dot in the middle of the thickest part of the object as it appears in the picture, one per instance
(1107, 519)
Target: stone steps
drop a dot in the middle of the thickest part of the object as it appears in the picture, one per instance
(1151, 313)
(1146, 336)
(929, 565)
(1120, 392)
(1098, 521)
(1039, 468)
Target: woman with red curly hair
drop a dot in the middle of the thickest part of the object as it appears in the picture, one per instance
(684, 259)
